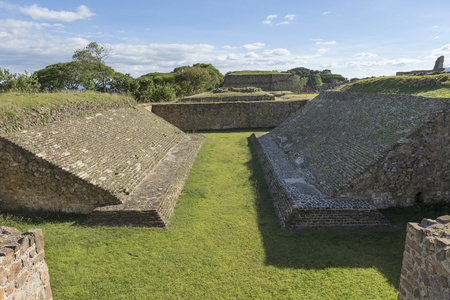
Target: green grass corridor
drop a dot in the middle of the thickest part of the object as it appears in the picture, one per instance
(224, 242)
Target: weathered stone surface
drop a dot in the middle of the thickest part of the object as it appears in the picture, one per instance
(427, 277)
(439, 64)
(200, 116)
(25, 276)
(390, 149)
(299, 204)
(266, 82)
(79, 164)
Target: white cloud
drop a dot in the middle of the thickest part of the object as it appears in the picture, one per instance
(253, 46)
(269, 19)
(326, 13)
(290, 17)
(251, 55)
(41, 13)
(364, 55)
(277, 52)
(322, 42)
(228, 47)
(444, 50)
(435, 27)
(436, 37)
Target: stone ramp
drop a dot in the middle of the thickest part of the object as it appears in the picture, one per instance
(335, 137)
(299, 204)
(153, 201)
(124, 166)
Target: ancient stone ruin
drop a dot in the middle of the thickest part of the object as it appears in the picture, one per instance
(23, 270)
(438, 67)
(266, 82)
(120, 166)
(345, 154)
(426, 261)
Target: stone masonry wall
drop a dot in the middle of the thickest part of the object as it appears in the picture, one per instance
(426, 261)
(339, 140)
(249, 97)
(266, 82)
(81, 163)
(417, 169)
(23, 271)
(200, 116)
(28, 181)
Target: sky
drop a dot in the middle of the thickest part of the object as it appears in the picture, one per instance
(353, 38)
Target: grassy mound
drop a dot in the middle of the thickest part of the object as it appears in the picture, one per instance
(12, 104)
(429, 85)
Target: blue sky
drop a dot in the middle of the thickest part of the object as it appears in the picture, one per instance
(352, 38)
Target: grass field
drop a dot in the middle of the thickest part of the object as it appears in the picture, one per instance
(224, 242)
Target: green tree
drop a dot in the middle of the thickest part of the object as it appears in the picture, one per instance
(192, 80)
(91, 60)
(215, 75)
(163, 92)
(60, 76)
(14, 82)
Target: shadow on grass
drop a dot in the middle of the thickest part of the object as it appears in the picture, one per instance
(380, 247)
(37, 218)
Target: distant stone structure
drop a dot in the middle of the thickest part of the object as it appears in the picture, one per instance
(351, 152)
(123, 166)
(439, 64)
(426, 261)
(438, 67)
(201, 116)
(266, 82)
(23, 270)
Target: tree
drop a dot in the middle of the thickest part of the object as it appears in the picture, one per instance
(14, 82)
(60, 76)
(91, 60)
(192, 80)
(216, 76)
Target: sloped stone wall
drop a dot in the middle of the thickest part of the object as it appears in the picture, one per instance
(23, 270)
(200, 116)
(81, 163)
(417, 169)
(426, 261)
(28, 181)
(337, 137)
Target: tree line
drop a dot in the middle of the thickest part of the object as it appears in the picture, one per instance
(88, 70)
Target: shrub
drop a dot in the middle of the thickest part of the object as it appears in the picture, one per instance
(163, 92)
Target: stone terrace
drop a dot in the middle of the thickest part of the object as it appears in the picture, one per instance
(334, 138)
(114, 151)
(344, 154)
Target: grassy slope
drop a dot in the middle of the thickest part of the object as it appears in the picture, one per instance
(12, 104)
(224, 242)
(422, 85)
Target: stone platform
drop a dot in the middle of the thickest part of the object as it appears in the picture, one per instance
(299, 204)
(153, 201)
(122, 166)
